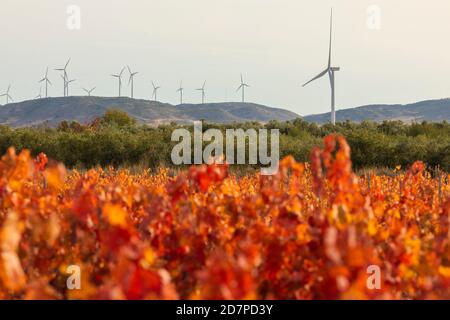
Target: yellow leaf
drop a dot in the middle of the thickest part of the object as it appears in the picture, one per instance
(445, 271)
(115, 214)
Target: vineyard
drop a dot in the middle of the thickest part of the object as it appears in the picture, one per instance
(308, 232)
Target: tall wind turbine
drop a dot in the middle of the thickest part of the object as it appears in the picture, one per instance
(47, 82)
(180, 90)
(330, 70)
(39, 96)
(7, 95)
(242, 87)
(119, 76)
(155, 91)
(132, 74)
(67, 85)
(89, 91)
(202, 89)
(65, 77)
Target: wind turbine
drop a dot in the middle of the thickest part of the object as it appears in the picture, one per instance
(7, 95)
(242, 87)
(39, 96)
(65, 77)
(330, 70)
(47, 81)
(202, 89)
(180, 90)
(119, 76)
(89, 91)
(132, 74)
(155, 91)
(67, 85)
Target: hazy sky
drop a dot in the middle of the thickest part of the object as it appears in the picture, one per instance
(276, 44)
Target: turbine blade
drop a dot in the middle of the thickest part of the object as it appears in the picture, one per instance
(68, 61)
(239, 88)
(129, 70)
(331, 37)
(320, 75)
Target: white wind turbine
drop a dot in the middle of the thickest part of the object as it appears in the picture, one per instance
(119, 76)
(202, 89)
(180, 90)
(47, 82)
(330, 70)
(65, 77)
(67, 85)
(89, 91)
(155, 91)
(242, 87)
(7, 95)
(39, 96)
(132, 74)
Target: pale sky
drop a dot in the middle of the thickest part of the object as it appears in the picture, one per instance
(277, 44)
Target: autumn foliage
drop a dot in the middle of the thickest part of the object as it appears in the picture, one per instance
(308, 232)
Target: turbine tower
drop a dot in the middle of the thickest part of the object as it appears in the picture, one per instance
(89, 91)
(65, 77)
(119, 76)
(67, 85)
(330, 70)
(39, 96)
(7, 95)
(180, 90)
(242, 87)
(155, 91)
(202, 89)
(47, 82)
(132, 74)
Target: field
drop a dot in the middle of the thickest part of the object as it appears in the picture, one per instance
(309, 232)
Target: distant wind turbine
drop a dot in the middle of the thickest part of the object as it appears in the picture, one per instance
(65, 77)
(180, 90)
(202, 89)
(89, 91)
(242, 88)
(67, 85)
(39, 96)
(119, 76)
(330, 70)
(7, 95)
(155, 91)
(47, 82)
(132, 74)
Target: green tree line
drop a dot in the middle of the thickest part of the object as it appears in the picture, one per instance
(116, 139)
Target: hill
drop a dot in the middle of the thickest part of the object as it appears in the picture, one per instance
(52, 111)
(430, 110)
